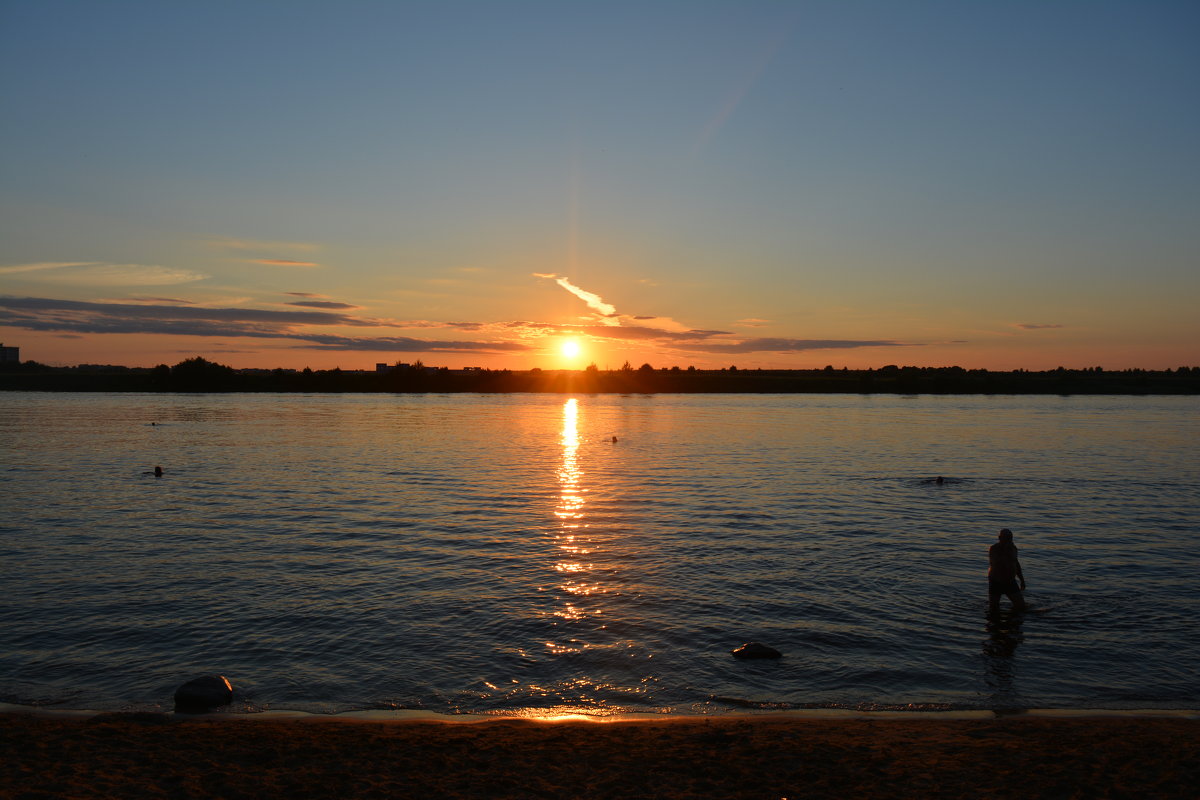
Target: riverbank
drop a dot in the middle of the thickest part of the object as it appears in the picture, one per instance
(158, 755)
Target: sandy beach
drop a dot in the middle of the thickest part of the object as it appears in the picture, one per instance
(153, 755)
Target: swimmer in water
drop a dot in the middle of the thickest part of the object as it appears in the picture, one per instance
(614, 440)
(1004, 570)
(156, 472)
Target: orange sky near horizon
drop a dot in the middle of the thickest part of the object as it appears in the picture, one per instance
(759, 184)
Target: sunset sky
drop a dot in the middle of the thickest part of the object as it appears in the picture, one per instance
(767, 184)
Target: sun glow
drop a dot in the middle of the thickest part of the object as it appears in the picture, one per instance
(570, 348)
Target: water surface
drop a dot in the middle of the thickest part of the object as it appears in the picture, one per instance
(473, 553)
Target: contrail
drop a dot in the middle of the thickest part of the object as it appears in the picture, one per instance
(734, 99)
(605, 310)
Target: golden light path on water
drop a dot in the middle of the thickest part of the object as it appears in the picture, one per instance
(573, 565)
(574, 570)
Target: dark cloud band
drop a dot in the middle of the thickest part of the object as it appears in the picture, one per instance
(73, 316)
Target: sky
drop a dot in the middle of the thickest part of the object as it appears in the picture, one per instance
(762, 184)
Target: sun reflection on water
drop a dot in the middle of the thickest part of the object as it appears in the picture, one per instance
(570, 509)
(573, 564)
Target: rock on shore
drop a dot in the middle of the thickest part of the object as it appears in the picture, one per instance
(203, 694)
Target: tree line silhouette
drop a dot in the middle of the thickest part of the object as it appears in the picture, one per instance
(200, 375)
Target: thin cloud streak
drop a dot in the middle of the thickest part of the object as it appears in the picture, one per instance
(156, 300)
(42, 265)
(706, 341)
(329, 304)
(593, 300)
(282, 262)
(228, 243)
(98, 273)
(789, 345)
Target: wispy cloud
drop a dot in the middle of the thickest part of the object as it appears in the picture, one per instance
(1037, 326)
(405, 345)
(230, 243)
(704, 341)
(97, 273)
(323, 304)
(670, 334)
(753, 322)
(606, 310)
(136, 299)
(42, 265)
(789, 345)
(282, 262)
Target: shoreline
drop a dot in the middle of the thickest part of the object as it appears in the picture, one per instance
(913, 755)
(542, 715)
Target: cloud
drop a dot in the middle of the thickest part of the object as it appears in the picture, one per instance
(303, 294)
(95, 273)
(787, 345)
(1038, 326)
(229, 243)
(701, 341)
(42, 265)
(156, 300)
(323, 304)
(753, 322)
(406, 345)
(282, 262)
(75, 316)
(593, 300)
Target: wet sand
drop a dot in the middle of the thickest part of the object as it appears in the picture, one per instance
(152, 756)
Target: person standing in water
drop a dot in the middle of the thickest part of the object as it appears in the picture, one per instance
(1004, 570)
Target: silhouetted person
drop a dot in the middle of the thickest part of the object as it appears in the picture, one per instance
(1004, 570)
(156, 472)
(939, 480)
(614, 440)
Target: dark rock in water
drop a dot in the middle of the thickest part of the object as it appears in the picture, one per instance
(203, 694)
(756, 650)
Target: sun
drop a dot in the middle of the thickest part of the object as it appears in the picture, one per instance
(570, 348)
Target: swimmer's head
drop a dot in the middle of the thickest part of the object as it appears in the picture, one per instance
(1005, 535)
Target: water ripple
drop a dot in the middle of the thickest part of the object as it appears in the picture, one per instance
(471, 553)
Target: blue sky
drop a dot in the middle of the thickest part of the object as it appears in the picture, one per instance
(769, 184)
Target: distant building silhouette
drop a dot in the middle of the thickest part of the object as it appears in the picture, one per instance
(10, 355)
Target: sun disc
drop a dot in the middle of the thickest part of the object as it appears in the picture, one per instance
(570, 348)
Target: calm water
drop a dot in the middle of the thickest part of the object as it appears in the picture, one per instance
(483, 553)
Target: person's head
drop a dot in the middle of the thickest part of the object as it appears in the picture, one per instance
(1006, 535)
